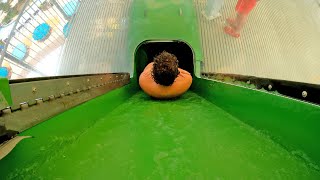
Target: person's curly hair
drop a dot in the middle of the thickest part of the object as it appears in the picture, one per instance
(165, 69)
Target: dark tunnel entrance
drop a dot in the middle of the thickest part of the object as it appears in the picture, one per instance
(147, 50)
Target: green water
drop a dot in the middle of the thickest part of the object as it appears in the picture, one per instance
(187, 138)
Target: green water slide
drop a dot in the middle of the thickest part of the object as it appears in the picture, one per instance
(164, 21)
(214, 131)
(125, 134)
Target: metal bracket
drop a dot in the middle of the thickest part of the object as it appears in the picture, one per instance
(29, 92)
(54, 96)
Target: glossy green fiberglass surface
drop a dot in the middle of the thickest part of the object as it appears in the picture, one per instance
(164, 20)
(5, 97)
(127, 135)
(292, 123)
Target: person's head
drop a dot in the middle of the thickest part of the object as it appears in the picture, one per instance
(165, 69)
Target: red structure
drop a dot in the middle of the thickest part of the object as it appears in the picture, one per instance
(243, 8)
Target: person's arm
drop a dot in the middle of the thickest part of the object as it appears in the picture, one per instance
(184, 77)
(184, 72)
(149, 66)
